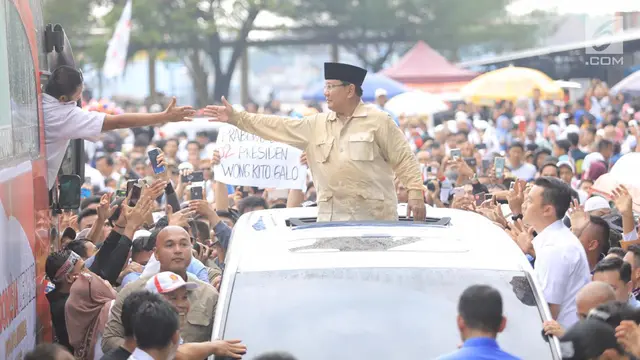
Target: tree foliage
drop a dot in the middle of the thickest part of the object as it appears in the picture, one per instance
(212, 35)
(198, 30)
(446, 25)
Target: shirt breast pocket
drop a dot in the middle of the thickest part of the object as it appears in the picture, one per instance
(323, 149)
(361, 147)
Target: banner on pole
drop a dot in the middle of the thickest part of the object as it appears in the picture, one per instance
(116, 57)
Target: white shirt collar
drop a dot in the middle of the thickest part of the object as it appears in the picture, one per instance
(50, 99)
(140, 355)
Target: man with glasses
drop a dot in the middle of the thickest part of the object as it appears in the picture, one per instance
(352, 151)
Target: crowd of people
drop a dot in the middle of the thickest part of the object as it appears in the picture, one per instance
(137, 275)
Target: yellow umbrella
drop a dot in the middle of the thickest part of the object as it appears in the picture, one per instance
(510, 83)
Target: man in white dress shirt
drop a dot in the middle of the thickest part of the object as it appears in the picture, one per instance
(560, 259)
(156, 330)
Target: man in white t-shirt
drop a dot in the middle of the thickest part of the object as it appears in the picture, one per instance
(65, 121)
(519, 168)
(560, 260)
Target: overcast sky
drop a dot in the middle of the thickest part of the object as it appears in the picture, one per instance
(590, 7)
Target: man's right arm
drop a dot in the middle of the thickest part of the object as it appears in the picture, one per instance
(555, 310)
(294, 132)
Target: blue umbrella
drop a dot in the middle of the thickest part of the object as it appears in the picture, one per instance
(371, 83)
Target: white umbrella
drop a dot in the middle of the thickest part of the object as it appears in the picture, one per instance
(568, 84)
(626, 168)
(415, 103)
(628, 85)
(623, 172)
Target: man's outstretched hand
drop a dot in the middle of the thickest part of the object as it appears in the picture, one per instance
(219, 113)
(175, 113)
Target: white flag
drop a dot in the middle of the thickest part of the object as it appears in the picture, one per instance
(116, 56)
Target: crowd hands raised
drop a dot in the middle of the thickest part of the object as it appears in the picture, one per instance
(128, 246)
(180, 241)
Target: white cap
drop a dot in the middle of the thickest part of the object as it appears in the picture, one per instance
(572, 128)
(141, 233)
(461, 115)
(166, 282)
(480, 124)
(452, 125)
(596, 203)
(566, 163)
(591, 157)
(380, 92)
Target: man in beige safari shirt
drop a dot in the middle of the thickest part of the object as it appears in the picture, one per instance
(352, 151)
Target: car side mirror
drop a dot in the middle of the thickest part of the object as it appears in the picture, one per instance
(69, 196)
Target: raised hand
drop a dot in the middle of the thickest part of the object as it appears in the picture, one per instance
(216, 158)
(523, 236)
(515, 198)
(165, 175)
(105, 210)
(175, 113)
(628, 335)
(577, 215)
(201, 207)
(622, 199)
(219, 113)
(155, 190)
(179, 218)
(137, 215)
(68, 219)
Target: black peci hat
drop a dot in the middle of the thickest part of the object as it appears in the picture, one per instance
(344, 72)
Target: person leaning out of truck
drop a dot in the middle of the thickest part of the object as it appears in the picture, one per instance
(65, 121)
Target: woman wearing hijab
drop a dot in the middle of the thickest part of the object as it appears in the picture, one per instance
(86, 313)
(595, 170)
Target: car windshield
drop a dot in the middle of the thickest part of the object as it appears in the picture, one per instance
(374, 313)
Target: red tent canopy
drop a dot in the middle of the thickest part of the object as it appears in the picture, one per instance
(422, 65)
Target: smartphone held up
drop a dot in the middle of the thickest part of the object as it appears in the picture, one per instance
(499, 164)
(197, 192)
(153, 159)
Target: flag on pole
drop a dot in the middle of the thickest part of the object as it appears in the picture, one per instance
(116, 56)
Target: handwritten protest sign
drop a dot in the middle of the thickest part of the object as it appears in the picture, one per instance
(248, 160)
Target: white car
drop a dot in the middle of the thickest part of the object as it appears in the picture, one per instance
(372, 290)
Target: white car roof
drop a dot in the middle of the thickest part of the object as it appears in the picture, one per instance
(264, 241)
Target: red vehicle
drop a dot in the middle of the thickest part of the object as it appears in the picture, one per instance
(28, 50)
